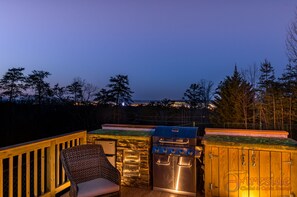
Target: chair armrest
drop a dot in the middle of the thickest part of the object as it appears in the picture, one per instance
(110, 172)
(73, 184)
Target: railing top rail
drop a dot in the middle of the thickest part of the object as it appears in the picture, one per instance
(37, 144)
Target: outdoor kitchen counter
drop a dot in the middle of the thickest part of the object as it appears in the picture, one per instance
(133, 154)
(115, 133)
(250, 166)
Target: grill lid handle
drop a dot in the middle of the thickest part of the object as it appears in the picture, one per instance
(171, 142)
(163, 163)
(187, 163)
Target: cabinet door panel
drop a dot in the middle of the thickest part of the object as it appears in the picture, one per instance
(286, 174)
(223, 171)
(275, 174)
(233, 182)
(207, 170)
(243, 172)
(265, 173)
(215, 171)
(254, 173)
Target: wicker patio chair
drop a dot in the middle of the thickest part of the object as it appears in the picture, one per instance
(89, 172)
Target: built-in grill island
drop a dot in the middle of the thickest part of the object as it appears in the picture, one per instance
(164, 157)
(174, 159)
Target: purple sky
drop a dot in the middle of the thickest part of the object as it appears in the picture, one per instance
(162, 45)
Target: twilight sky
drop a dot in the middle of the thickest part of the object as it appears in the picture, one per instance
(162, 45)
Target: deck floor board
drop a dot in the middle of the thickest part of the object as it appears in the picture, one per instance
(138, 192)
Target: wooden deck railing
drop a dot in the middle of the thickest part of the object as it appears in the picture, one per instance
(34, 168)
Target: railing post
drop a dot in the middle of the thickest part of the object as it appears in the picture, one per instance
(10, 177)
(42, 170)
(20, 175)
(83, 140)
(51, 165)
(35, 172)
(1, 177)
(28, 174)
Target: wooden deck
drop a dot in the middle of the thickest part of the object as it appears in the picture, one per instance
(137, 192)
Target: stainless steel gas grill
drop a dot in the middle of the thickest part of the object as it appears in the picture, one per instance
(174, 163)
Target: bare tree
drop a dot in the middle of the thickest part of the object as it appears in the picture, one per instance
(251, 75)
(81, 91)
(291, 41)
(207, 92)
(89, 92)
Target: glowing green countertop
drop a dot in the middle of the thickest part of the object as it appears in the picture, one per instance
(122, 132)
(282, 143)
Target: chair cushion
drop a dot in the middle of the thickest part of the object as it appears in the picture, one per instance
(96, 187)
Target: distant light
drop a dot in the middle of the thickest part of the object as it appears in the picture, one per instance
(123, 103)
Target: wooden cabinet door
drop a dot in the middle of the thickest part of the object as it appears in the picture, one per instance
(248, 172)
(211, 178)
(271, 173)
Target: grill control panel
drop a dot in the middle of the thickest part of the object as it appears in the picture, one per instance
(173, 150)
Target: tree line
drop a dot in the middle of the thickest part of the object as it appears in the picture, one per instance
(16, 87)
(256, 98)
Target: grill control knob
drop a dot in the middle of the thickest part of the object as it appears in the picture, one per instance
(190, 152)
(155, 150)
(164, 150)
(181, 152)
(172, 151)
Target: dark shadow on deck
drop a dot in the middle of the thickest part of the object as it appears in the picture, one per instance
(137, 192)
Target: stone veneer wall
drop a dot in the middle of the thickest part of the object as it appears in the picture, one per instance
(133, 158)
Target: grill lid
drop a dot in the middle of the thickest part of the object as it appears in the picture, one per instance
(176, 132)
